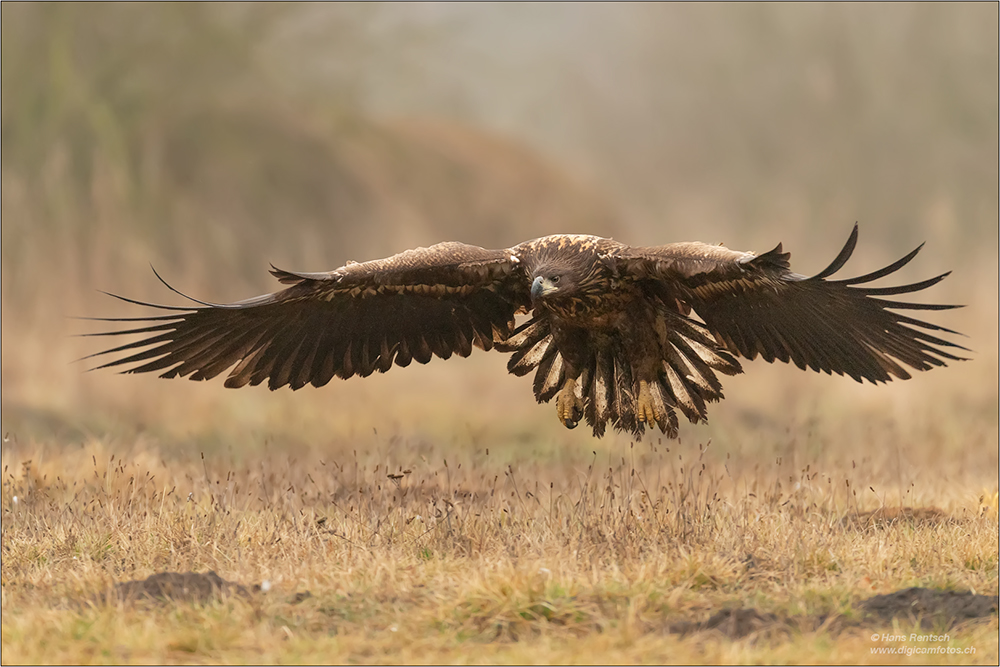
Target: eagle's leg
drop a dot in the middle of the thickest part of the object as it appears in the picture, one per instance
(645, 408)
(569, 406)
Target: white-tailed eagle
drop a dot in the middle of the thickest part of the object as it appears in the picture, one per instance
(615, 333)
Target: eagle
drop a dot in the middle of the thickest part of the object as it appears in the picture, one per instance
(614, 333)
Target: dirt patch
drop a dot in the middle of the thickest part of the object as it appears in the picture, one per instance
(180, 587)
(736, 624)
(187, 587)
(933, 608)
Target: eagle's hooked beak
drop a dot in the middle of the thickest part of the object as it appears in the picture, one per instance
(542, 286)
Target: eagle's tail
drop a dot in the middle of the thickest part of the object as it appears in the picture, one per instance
(691, 356)
(614, 391)
(608, 386)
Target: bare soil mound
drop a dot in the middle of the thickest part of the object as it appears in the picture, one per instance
(735, 623)
(181, 587)
(933, 608)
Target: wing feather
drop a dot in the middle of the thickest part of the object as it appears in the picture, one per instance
(755, 305)
(358, 319)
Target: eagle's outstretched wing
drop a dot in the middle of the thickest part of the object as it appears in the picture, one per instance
(360, 318)
(755, 305)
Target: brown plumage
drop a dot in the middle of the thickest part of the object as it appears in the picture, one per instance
(612, 331)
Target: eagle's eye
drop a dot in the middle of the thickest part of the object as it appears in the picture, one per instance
(555, 279)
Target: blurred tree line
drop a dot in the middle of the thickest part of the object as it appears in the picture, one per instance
(166, 133)
(792, 119)
(211, 138)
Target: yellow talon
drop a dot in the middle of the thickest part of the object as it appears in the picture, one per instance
(645, 408)
(569, 407)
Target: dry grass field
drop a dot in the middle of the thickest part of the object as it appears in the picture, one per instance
(436, 514)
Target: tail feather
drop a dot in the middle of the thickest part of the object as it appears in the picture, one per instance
(623, 406)
(528, 333)
(693, 370)
(529, 343)
(713, 357)
(608, 384)
(550, 375)
(602, 392)
(663, 405)
(689, 402)
(587, 384)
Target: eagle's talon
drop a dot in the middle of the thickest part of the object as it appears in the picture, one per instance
(645, 406)
(569, 406)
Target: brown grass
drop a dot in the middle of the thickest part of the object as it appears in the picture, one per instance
(497, 540)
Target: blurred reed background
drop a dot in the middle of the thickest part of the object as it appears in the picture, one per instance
(210, 139)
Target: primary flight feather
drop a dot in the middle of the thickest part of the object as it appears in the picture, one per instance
(611, 333)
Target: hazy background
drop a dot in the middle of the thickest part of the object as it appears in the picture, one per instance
(211, 139)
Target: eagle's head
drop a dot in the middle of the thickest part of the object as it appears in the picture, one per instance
(567, 287)
(550, 283)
